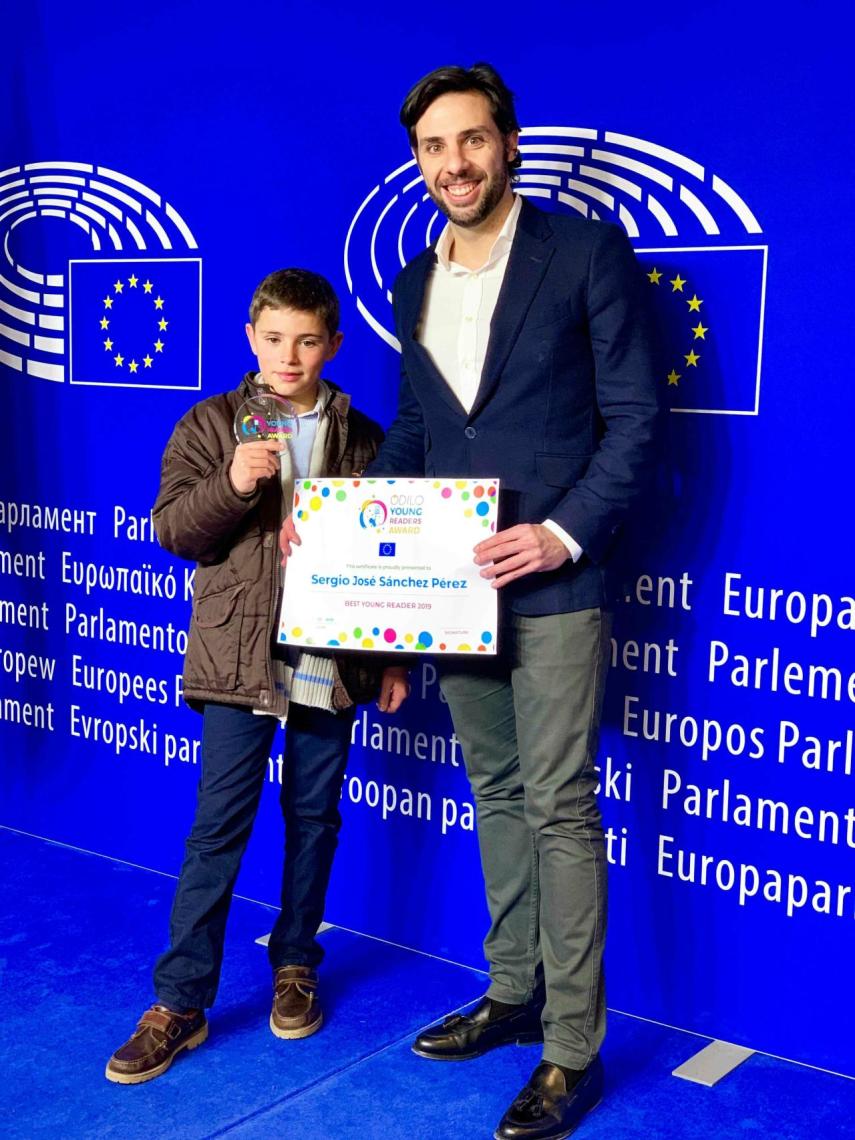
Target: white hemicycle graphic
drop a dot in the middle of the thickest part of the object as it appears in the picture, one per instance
(655, 193)
(115, 212)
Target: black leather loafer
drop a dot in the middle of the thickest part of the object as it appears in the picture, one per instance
(546, 1110)
(464, 1036)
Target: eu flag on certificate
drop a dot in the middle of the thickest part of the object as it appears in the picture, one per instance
(710, 305)
(135, 323)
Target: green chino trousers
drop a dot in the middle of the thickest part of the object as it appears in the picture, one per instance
(528, 723)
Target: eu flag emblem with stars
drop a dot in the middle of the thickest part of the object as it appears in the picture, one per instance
(709, 303)
(135, 323)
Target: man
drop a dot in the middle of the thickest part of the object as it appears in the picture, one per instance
(525, 355)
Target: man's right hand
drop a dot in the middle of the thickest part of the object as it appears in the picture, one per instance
(254, 461)
(287, 535)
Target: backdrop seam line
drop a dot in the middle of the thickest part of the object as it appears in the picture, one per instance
(425, 954)
(259, 1112)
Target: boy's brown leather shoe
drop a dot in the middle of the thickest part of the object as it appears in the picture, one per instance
(159, 1036)
(296, 1011)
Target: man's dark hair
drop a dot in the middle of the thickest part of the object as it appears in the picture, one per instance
(298, 289)
(479, 77)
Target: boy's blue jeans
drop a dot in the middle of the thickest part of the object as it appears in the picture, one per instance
(235, 750)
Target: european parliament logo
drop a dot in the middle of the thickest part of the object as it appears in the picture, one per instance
(96, 287)
(687, 224)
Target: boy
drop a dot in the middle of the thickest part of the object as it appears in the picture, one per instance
(222, 505)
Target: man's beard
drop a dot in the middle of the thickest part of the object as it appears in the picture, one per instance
(470, 216)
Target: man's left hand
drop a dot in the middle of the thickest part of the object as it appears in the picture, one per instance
(394, 688)
(520, 550)
(287, 536)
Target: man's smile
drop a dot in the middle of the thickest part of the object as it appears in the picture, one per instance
(460, 192)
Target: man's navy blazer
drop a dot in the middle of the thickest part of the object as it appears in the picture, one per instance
(566, 411)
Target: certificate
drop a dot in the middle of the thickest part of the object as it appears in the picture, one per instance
(387, 564)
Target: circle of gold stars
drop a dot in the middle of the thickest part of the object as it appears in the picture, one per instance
(699, 331)
(162, 324)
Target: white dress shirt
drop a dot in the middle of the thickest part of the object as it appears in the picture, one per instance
(455, 322)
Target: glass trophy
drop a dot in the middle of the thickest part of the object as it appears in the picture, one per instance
(266, 416)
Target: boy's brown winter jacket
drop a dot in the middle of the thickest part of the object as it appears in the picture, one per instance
(235, 541)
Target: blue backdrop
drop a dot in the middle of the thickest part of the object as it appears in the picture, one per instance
(181, 158)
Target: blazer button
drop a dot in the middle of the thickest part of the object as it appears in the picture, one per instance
(470, 432)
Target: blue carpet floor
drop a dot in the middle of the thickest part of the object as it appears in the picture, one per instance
(78, 935)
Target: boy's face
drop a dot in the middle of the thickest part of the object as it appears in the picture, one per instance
(292, 348)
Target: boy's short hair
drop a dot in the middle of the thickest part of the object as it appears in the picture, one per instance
(297, 289)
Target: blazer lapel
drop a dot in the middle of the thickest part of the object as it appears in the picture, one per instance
(529, 258)
(412, 297)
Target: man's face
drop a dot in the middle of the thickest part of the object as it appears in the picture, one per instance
(463, 157)
(292, 348)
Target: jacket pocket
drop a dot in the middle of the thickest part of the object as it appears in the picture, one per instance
(548, 315)
(561, 469)
(213, 648)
